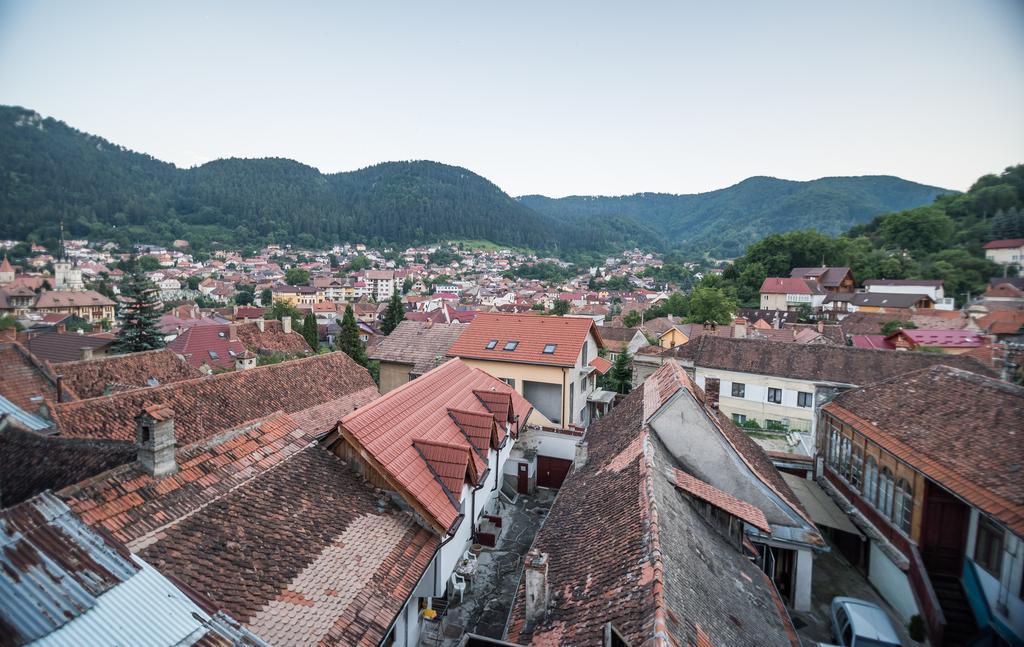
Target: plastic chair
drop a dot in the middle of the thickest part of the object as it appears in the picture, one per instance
(459, 585)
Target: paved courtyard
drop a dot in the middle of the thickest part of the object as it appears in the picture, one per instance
(488, 598)
(834, 576)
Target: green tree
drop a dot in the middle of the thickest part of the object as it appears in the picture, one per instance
(407, 285)
(348, 340)
(282, 309)
(360, 262)
(631, 319)
(149, 263)
(889, 327)
(296, 276)
(266, 297)
(710, 304)
(193, 282)
(560, 308)
(243, 298)
(394, 314)
(926, 229)
(310, 332)
(8, 322)
(139, 312)
(620, 376)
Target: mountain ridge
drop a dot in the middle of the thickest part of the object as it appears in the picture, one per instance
(51, 172)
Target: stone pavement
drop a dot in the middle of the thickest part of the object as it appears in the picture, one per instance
(489, 596)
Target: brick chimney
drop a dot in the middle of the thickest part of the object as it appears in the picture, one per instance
(232, 331)
(536, 566)
(712, 386)
(86, 352)
(155, 438)
(286, 325)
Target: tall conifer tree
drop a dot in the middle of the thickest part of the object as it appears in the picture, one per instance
(140, 310)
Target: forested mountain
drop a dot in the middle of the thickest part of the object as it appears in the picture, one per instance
(51, 172)
(725, 221)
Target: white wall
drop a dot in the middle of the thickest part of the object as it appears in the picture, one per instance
(892, 583)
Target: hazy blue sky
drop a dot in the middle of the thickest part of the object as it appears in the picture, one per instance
(540, 97)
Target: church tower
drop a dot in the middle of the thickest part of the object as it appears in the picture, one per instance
(6, 271)
(66, 275)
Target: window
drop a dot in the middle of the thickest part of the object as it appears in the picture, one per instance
(586, 347)
(885, 492)
(511, 345)
(856, 467)
(870, 480)
(739, 389)
(833, 447)
(739, 418)
(804, 399)
(775, 395)
(988, 549)
(214, 355)
(844, 458)
(903, 512)
(509, 381)
(491, 344)
(549, 349)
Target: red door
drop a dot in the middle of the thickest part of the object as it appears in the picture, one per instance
(551, 472)
(523, 485)
(944, 532)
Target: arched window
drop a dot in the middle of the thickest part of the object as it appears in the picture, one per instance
(856, 467)
(844, 457)
(885, 492)
(903, 512)
(870, 480)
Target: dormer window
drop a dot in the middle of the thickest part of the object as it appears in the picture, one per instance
(511, 345)
(549, 349)
(491, 344)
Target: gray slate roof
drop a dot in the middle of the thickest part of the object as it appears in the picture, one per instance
(422, 345)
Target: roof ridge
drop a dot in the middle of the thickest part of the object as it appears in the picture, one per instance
(659, 628)
(392, 393)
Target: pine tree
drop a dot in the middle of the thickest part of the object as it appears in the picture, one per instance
(310, 332)
(620, 377)
(140, 309)
(348, 338)
(394, 314)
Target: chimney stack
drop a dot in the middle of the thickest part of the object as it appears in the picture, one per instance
(232, 331)
(821, 326)
(261, 324)
(580, 459)
(739, 327)
(156, 441)
(536, 566)
(86, 352)
(712, 385)
(286, 325)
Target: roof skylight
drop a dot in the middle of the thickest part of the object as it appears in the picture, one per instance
(511, 345)
(491, 344)
(549, 349)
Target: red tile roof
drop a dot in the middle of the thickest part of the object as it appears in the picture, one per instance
(941, 338)
(209, 345)
(273, 339)
(960, 429)
(24, 380)
(722, 500)
(601, 365)
(785, 285)
(403, 430)
(208, 405)
(532, 333)
(103, 375)
(1005, 244)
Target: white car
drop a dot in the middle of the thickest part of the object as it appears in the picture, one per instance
(858, 623)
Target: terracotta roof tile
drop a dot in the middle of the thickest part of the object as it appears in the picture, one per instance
(531, 334)
(24, 380)
(723, 500)
(96, 377)
(422, 345)
(273, 339)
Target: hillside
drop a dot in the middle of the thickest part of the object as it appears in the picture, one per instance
(51, 172)
(725, 221)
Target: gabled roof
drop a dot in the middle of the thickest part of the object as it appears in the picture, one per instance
(960, 429)
(25, 381)
(532, 334)
(59, 347)
(100, 376)
(788, 285)
(273, 338)
(887, 299)
(78, 298)
(722, 500)
(401, 432)
(827, 276)
(1008, 243)
(207, 405)
(421, 345)
(209, 345)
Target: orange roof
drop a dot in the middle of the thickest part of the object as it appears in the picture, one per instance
(723, 500)
(563, 336)
(601, 364)
(431, 434)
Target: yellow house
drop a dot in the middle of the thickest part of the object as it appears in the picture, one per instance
(549, 360)
(673, 337)
(298, 295)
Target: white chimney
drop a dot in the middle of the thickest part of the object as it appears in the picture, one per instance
(261, 324)
(155, 438)
(286, 324)
(740, 328)
(86, 352)
(580, 459)
(536, 566)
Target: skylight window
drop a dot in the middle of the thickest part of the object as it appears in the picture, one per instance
(491, 344)
(549, 349)
(511, 345)
(214, 355)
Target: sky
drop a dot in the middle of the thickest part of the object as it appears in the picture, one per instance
(557, 98)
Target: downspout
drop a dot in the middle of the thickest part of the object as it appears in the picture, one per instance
(565, 405)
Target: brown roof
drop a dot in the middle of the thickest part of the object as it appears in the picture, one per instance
(31, 463)
(241, 525)
(23, 379)
(64, 299)
(625, 546)
(617, 338)
(422, 345)
(960, 429)
(814, 362)
(273, 339)
(59, 347)
(532, 333)
(96, 377)
(207, 405)
(721, 500)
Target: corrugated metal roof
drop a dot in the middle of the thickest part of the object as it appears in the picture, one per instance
(24, 418)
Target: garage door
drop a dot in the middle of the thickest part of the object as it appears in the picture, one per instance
(552, 471)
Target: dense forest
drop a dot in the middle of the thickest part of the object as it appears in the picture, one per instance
(942, 240)
(51, 172)
(722, 223)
